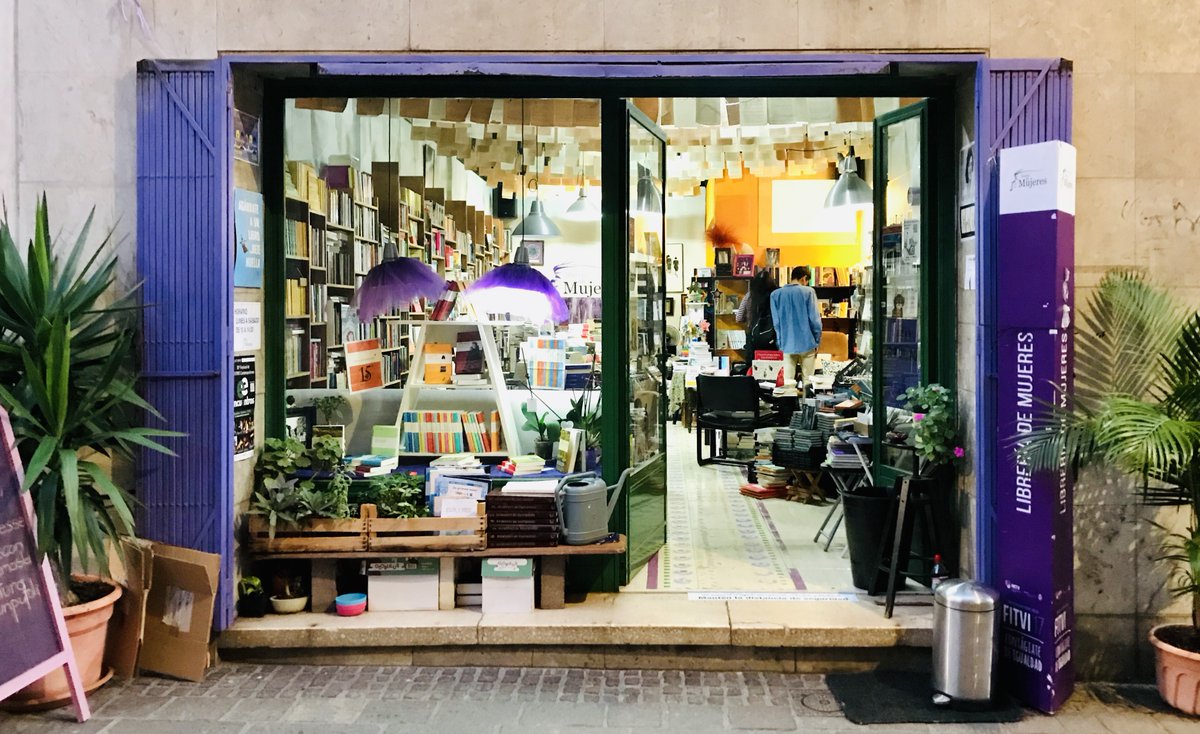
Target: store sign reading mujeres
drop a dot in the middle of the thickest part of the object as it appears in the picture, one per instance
(1035, 273)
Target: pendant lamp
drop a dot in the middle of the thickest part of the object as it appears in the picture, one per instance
(537, 224)
(581, 209)
(395, 283)
(518, 288)
(649, 199)
(849, 190)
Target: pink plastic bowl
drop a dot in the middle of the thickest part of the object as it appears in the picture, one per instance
(351, 605)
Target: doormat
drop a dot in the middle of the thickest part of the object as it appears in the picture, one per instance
(904, 697)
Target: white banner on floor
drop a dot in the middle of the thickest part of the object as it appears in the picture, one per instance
(770, 596)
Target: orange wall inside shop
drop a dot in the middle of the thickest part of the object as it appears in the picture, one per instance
(744, 205)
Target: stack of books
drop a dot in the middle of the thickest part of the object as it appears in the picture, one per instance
(521, 520)
(522, 465)
(760, 492)
(841, 455)
(371, 465)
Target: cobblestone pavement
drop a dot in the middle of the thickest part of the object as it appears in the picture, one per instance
(245, 698)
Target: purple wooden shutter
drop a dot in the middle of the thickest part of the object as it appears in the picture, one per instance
(1020, 101)
(184, 264)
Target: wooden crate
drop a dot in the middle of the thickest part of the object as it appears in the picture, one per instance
(309, 536)
(423, 533)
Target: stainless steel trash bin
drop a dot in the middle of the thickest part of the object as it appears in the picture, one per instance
(964, 643)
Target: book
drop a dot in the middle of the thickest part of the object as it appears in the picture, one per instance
(526, 464)
(385, 440)
(569, 442)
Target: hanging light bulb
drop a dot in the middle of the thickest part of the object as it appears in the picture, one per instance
(582, 210)
(849, 190)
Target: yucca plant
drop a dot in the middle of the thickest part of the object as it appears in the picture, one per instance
(68, 382)
(1136, 407)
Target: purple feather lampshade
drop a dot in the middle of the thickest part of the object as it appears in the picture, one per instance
(396, 283)
(517, 288)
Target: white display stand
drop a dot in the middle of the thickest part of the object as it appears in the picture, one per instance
(495, 382)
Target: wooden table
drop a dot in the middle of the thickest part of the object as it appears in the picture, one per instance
(552, 568)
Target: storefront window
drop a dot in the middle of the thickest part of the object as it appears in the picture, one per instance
(646, 335)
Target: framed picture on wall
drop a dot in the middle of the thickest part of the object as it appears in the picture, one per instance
(299, 423)
(723, 261)
(536, 251)
(772, 258)
(743, 266)
(669, 307)
(674, 266)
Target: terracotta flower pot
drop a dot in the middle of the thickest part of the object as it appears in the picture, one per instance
(87, 625)
(1177, 671)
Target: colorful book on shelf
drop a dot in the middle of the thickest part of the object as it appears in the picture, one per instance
(385, 440)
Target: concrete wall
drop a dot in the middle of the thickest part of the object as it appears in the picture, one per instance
(67, 127)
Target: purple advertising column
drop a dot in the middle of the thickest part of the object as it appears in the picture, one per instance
(1035, 550)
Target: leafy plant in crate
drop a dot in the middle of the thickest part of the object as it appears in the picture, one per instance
(401, 495)
(68, 380)
(282, 498)
(1136, 408)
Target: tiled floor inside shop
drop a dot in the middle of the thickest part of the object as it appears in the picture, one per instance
(720, 540)
(310, 699)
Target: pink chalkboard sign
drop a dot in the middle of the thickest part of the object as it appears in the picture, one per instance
(29, 608)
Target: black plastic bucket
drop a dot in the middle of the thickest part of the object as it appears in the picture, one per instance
(867, 527)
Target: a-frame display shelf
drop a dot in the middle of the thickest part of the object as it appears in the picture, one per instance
(438, 332)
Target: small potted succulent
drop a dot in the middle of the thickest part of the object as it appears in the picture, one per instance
(252, 599)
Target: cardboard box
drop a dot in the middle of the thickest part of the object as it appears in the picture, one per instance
(133, 569)
(178, 610)
(402, 584)
(507, 585)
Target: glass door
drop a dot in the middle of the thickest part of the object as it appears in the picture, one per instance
(902, 245)
(634, 330)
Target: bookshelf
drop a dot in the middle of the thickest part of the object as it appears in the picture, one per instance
(727, 294)
(333, 237)
(442, 332)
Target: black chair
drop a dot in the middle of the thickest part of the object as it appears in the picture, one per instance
(727, 404)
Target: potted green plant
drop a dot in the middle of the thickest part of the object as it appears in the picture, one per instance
(252, 599)
(586, 416)
(1136, 408)
(69, 383)
(331, 407)
(546, 429)
(284, 498)
(930, 429)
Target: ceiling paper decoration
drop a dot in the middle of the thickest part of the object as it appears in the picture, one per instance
(708, 110)
(754, 111)
(437, 108)
(733, 111)
(780, 110)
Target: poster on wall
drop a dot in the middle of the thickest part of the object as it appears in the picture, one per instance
(243, 407)
(1034, 510)
(247, 238)
(247, 326)
(674, 266)
(245, 137)
(364, 365)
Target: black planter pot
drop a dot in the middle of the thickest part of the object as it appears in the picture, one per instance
(254, 605)
(866, 523)
(544, 449)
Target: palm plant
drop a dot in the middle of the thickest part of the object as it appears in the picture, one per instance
(68, 381)
(1136, 407)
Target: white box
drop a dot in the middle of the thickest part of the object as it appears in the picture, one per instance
(507, 585)
(402, 584)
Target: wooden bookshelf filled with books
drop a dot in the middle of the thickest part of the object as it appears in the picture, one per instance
(333, 237)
